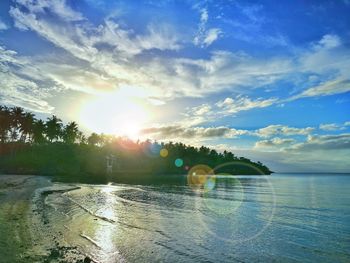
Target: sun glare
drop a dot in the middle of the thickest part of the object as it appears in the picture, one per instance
(115, 113)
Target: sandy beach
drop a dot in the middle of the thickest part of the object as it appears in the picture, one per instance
(25, 235)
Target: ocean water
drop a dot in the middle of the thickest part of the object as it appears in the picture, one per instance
(277, 218)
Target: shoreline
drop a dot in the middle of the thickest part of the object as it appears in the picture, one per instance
(24, 237)
(133, 178)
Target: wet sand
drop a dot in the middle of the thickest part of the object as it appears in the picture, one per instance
(24, 237)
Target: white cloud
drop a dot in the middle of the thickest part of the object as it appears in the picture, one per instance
(156, 102)
(204, 16)
(329, 58)
(275, 142)
(328, 41)
(227, 70)
(57, 7)
(325, 89)
(205, 113)
(16, 88)
(240, 103)
(201, 110)
(325, 142)
(179, 132)
(63, 37)
(205, 37)
(279, 129)
(300, 161)
(326, 153)
(109, 53)
(78, 78)
(160, 37)
(81, 38)
(113, 61)
(331, 127)
(327, 54)
(211, 36)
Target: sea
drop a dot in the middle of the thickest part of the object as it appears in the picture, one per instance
(274, 218)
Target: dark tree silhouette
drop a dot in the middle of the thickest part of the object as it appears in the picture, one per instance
(39, 129)
(5, 123)
(70, 132)
(35, 146)
(17, 114)
(53, 128)
(94, 139)
(27, 126)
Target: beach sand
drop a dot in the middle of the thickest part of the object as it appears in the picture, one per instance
(23, 231)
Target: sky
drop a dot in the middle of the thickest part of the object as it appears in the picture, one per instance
(268, 80)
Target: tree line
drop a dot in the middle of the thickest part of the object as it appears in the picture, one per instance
(16, 125)
(28, 144)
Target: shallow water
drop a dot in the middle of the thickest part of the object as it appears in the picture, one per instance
(281, 218)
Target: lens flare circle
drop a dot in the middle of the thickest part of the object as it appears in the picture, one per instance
(214, 202)
(210, 183)
(164, 152)
(226, 216)
(198, 176)
(179, 162)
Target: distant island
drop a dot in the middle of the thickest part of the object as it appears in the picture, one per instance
(32, 146)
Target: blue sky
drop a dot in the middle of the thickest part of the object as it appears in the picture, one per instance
(269, 80)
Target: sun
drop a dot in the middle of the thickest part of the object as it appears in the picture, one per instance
(114, 113)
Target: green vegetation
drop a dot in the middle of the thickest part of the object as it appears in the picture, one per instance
(33, 146)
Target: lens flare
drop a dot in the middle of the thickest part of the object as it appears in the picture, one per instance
(210, 183)
(198, 176)
(164, 152)
(179, 162)
(223, 204)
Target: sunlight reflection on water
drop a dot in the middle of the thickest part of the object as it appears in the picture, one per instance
(281, 218)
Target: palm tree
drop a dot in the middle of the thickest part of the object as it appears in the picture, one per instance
(17, 114)
(27, 126)
(5, 123)
(39, 129)
(53, 128)
(82, 138)
(70, 132)
(94, 139)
